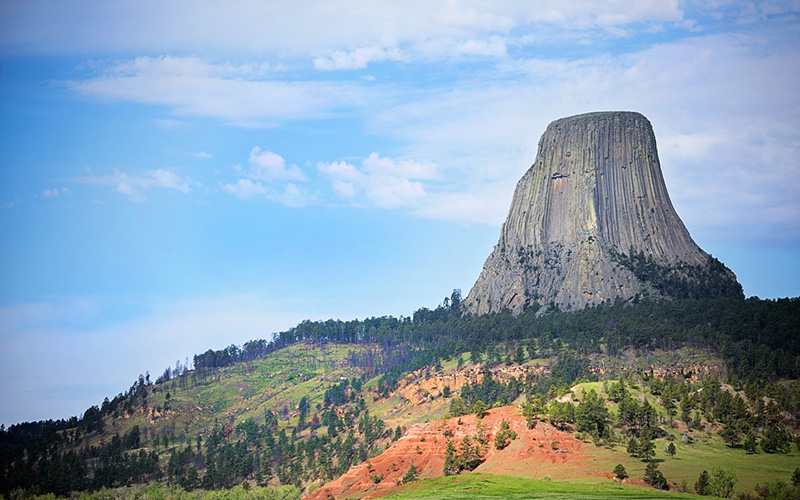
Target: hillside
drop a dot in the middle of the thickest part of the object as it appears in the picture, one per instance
(326, 415)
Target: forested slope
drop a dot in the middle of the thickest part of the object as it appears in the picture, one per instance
(324, 396)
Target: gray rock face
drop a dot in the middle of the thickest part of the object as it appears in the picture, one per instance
(591, 221)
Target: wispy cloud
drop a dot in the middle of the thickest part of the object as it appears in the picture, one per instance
(148, 26)
(357, 58)
(244, 189)
(135, 186)
(53, 192)
(240, 94)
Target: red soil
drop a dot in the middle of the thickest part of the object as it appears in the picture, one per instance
(536, 453)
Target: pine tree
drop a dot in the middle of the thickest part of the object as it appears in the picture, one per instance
(701, 485)
(450, 460)
(654, 477)
(479, 408)
(750, 443)
(410, 475)
(620, 473)
(646, 449)
(504, 436)
(633, 447)
(721, 483)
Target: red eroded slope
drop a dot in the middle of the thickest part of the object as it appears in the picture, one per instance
(543, 451)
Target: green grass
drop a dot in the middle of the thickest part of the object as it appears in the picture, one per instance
(707, 452)
(691, 459)
(242, 391)
(489, 486)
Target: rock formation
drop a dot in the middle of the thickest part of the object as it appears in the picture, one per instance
(591, 221)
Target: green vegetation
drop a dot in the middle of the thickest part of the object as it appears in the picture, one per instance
(682, 280)
(504, 436)
(303, 408)
(158, 491)
(620, 473)
(467, 457)
(410, 475)
(266, 420)
(488, 486)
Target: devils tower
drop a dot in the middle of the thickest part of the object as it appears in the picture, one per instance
(591, 221)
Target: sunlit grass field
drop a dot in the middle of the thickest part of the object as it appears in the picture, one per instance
(489, 486)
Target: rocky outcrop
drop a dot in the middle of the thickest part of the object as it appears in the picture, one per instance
(591, 221)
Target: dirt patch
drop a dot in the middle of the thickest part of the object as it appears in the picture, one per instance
(543, 451)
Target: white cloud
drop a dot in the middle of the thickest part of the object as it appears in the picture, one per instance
(586, 14)
(494, 46)
(236, 93)
(443, 47)
(267, 176)
(244, 189)
(269, 166)
(52, 192)
(184, 66)
(378, 167)
(135, 186)
(203, 155)
(320, 26)
(383, 182)
(481, 204)
(291, 196)
(357, 58)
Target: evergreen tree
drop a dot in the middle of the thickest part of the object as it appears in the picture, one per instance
(633, 447)
(410, 475)
(471, 456)
(654, 477)
(721, 483)
(504, 436)
(620, 473)
(646, 449)
(591, 414)
(479, 408)
(561, 414)
(529, 413)
(701, 485)
(750, 443)
(451, 465)
(458, 407)
(731, 434)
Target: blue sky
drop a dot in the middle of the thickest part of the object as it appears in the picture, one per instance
(177, 176)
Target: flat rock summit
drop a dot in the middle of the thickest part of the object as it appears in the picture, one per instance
(591, 221)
